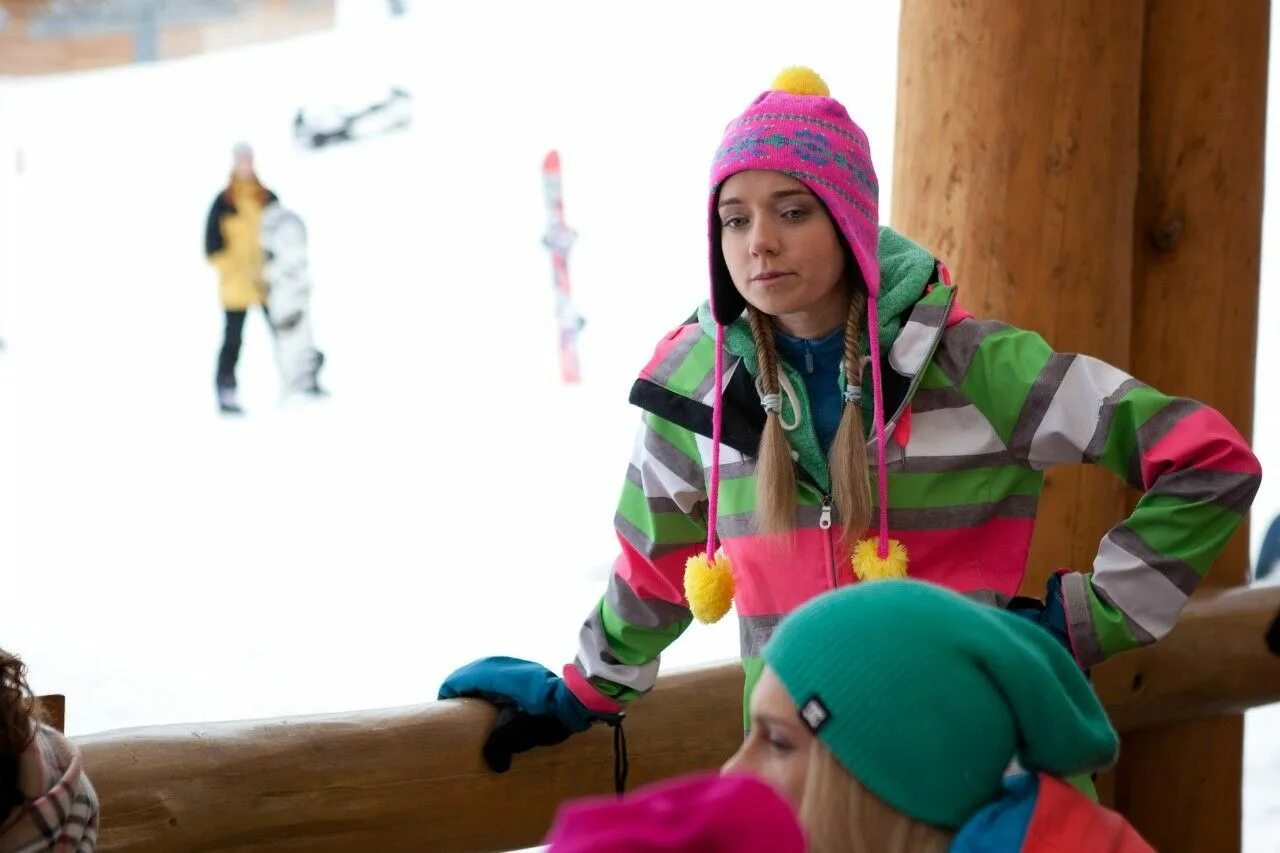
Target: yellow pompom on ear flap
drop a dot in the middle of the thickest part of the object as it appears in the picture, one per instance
(708, 586)
(799, 80)
(868, 565)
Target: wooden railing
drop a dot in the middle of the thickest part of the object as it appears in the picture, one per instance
(53, 709)
(412, 778)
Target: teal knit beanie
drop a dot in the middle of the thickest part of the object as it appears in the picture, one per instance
(924, 696)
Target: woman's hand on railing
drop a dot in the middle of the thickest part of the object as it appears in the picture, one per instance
(535, 706)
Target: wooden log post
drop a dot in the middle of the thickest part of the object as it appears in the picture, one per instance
(1197, 240)
(1020, 171)
(1093, 171)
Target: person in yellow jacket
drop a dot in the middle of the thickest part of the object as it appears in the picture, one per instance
(233, 245)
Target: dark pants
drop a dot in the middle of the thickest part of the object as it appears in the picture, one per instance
(230, 353)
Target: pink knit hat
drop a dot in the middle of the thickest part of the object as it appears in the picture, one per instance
(799, 131)
(796, 128)
(705, 812)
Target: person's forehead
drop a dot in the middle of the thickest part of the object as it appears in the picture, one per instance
(762, 183)
(771, 693)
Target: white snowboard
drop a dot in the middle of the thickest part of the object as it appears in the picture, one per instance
(288, 279)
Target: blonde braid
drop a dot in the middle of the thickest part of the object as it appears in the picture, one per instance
(847, 459)
(775, 472)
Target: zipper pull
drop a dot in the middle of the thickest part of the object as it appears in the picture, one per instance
(808, 357)
(824, 520)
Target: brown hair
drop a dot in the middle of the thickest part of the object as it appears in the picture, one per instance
(840, 814)
(19, 711)
(847, 459)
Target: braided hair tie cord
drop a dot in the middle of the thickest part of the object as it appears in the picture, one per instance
(773, 402)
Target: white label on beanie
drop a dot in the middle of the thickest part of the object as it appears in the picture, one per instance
(814, 713)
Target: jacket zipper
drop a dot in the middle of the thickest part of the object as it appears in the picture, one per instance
(824, 520)
(824, 523)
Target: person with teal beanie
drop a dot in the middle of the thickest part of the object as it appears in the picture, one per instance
(889, 714)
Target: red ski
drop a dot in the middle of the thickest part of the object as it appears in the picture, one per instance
(558, 240)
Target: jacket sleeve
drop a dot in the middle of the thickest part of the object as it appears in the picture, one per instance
(213, 242)
(1197, 474)
(660, 523)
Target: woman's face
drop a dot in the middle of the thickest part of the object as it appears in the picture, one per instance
(777, 749)
(242, 166)
(783, 252)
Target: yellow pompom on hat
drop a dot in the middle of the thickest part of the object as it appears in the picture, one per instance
(799, 80)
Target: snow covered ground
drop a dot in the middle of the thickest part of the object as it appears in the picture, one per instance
(451, 499)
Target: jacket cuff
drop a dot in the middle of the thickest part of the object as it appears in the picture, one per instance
(582, 690)
(1080, 630)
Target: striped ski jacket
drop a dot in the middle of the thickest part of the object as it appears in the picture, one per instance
(978, 411)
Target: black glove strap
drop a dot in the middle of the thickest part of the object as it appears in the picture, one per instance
(620, 764)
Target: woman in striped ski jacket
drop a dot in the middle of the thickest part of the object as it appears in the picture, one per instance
(754, 477)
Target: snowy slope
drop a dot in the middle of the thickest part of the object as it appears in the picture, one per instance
(451, 500)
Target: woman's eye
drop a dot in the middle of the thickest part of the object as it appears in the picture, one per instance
(794, 213)
(779, 745)
(735, 221)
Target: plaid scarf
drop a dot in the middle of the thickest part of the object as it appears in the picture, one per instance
(60, 808)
